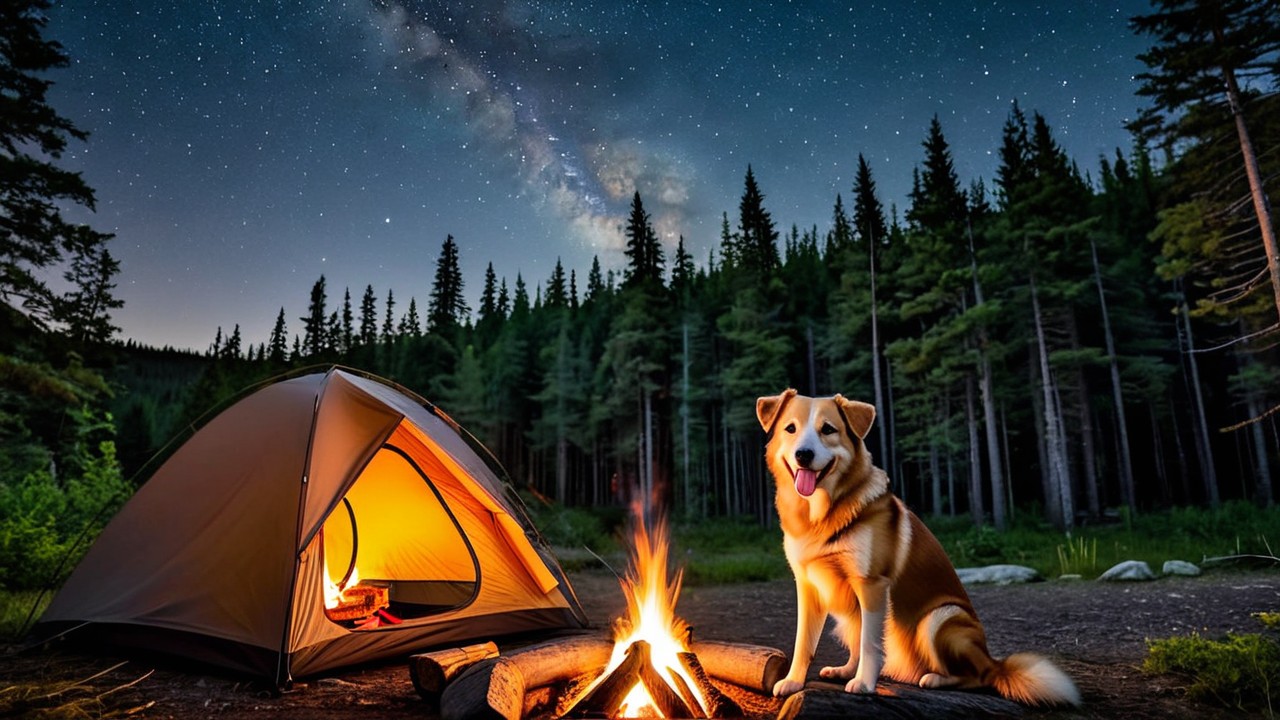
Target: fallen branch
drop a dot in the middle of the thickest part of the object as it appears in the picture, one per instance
(432, 671)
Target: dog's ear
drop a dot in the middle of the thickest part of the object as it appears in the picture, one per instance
(858, 416)
(768, 408)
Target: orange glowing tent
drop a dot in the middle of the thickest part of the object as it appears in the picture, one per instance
(323, 520)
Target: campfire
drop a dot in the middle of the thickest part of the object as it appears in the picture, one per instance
(650, 666)
(652, 672)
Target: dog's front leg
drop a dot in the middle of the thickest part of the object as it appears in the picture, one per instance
(873, 597)
(810, 617)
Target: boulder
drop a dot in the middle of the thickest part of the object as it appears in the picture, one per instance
(997, 575)
(1180, 567)
(1129, 570)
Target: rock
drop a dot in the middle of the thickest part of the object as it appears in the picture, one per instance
(1180, 567)
(997, 574)
(1129, 570)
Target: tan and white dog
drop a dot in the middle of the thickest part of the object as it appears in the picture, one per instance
(859, 554)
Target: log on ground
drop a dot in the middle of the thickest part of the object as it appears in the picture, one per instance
(749, 666)
(893, 701)
(556, 661)
(432, 671)
(492, 689)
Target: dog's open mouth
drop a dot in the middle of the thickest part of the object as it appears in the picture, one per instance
(807, 480)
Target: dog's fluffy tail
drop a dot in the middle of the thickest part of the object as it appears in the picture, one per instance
(1032, 680)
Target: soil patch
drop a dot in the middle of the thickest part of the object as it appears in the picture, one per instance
(1095, 631)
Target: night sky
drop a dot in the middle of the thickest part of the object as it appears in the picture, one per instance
(242, 149)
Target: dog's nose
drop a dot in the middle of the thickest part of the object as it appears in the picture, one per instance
(804, 456)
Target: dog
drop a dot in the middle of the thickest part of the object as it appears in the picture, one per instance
(859, 554)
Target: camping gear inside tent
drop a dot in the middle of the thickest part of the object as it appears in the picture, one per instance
(323, 520)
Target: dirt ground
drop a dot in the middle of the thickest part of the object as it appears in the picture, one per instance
(1095, 631)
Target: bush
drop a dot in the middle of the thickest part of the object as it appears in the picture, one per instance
(45, 528)
(1242, 671)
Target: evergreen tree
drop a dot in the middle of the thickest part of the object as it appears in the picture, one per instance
(314, 328)
(644, 254)
(278, 343)
(410, 324)
(447, 309)
(33, 234)
(489, 295)
(1203, 51)
(388, 320)
(85, 309)
(757, 241)
(231, 351)
(682, 272)
(347, 335)
(557, 291)
(595, 280)
(368, 318)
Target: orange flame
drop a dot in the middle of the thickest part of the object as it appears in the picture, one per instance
(651, 593)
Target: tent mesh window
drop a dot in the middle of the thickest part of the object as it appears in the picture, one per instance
(381, 568)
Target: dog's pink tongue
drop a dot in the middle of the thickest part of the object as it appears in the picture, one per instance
(806, 481)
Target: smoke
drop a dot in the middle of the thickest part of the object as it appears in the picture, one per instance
(511, 85)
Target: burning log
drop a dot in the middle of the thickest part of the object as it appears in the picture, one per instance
(718, 704)
(609, 693)
(895, 702)
(750, 666)
(357, 603)
(432, 671)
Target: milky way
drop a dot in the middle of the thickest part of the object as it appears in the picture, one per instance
(242, 149)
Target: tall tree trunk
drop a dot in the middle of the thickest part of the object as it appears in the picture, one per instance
(988, 398)
(935, 476)
(1052, 506)
(1117, 391)
(1059, 475)
(685, 482)
(1262, 487)
(1089, 455)
(876, 360)
(976, 508)
(1203, 448)
(892, 461)
(1261, 205)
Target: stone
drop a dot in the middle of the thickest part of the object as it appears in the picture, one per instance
(1180, 567)
(1129, 570)
(997, 575)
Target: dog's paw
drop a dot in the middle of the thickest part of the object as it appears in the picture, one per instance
(844, 672)
(785, 687)
(860, 686)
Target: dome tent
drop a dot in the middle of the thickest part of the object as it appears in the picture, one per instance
(235, 550)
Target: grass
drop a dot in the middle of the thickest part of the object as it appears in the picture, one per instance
(1241, 671)
(15, 609)
(729, 550)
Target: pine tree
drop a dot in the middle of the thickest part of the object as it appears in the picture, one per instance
(314, 329)
(33, 234)
(682, 272)
(278, 343)
(347, 335)
(368, 318)
(757, 241)
(389, 320)
(85, 309)
(447, 308)
(557, 291)
(644, 254)
(595, 280)
(489, 295)
(410, 324)
(1204, 49)
(231, 350)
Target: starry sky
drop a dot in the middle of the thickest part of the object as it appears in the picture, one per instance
(240, 149)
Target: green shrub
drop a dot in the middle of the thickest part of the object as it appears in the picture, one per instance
(1242, 671)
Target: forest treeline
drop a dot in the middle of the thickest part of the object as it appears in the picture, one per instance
(1061, 340)
(1027, 345)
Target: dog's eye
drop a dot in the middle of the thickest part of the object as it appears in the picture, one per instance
(790, 428)
(828, 429)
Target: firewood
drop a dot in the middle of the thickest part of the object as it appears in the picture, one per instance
(895, 702)
(560, 660)
(750, 666)
(665, 698)
(718, 704)
(491, 689)
(686, 693)
(605, 697)
(432, 671)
